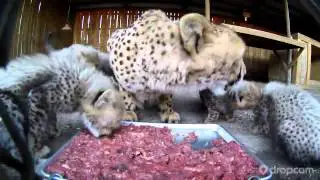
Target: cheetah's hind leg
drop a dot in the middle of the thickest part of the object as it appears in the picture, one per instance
(167, 114)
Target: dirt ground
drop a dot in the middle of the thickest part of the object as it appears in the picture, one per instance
(193, 111)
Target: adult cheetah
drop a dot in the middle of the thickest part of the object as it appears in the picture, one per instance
(156, 56)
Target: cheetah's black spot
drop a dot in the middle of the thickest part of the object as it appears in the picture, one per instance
(171, 35)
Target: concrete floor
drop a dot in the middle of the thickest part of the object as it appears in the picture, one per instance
(192, 111)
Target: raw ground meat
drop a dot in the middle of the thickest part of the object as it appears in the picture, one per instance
(145, 152)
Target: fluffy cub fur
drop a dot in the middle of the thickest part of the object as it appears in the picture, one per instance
(290, 115)
(63, 81)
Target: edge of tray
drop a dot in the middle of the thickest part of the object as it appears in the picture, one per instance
(40, 169)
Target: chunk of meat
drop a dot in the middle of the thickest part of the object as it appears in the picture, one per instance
(145, 152)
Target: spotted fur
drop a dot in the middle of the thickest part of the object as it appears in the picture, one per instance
(156, 56)
(64, 81)
(290, 115)
(217, 106)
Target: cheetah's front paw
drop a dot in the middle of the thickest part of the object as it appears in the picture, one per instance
(170, 117)
(130, 116)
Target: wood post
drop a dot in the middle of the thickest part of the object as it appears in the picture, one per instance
(207, 9)
(287, 15)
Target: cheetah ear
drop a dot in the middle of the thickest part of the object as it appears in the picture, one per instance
(103, 98)
(255, 90)
(104, 65)
(192, 27)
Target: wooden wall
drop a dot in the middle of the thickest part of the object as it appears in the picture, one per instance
(315, 69)
(36, 18)
(258, 62)
(94, 27)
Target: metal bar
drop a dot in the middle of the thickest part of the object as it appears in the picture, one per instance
(287, 15)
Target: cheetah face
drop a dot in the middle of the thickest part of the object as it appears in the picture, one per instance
(103, 113)
(244, 95)
(216, 51)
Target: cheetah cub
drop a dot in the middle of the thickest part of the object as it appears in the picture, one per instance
(290, 115)
(64, 81)
(216, 104)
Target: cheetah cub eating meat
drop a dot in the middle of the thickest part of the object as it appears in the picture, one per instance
(290, 115)
(64, 81)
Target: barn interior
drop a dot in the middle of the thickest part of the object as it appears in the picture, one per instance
(263, 25)
(92, 22)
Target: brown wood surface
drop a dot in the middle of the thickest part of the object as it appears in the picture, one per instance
(35, 20)
(266, 40)
(94, 27)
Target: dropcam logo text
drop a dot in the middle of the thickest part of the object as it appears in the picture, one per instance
(263, 169)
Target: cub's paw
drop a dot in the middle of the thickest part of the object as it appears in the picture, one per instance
(257, 129)
(210, 119)
(44, 151)
(170, 117)
(130, 116)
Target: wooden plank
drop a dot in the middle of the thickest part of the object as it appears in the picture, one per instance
(306, 39)
(207, 9)
(266, 40)
(309, 63)
(77, 28)
(102, 31)
(94, 29)
(310, 42)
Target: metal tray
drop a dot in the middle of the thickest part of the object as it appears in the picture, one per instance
(205, 132)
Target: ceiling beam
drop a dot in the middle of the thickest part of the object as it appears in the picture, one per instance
(258, 8)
